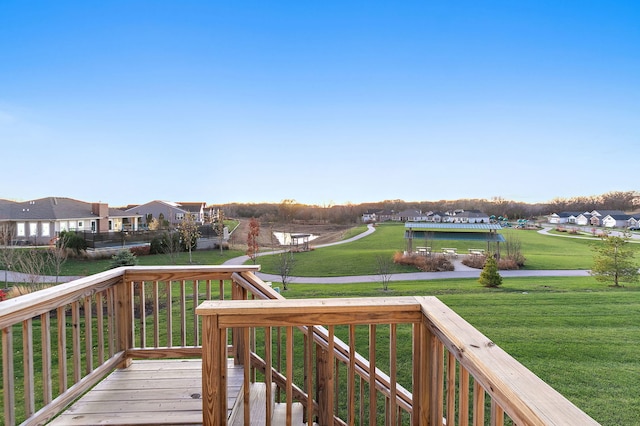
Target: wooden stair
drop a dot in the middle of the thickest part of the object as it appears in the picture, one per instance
(258, 409)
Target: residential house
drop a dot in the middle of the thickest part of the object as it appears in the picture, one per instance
(163, 211)
(411, 215)
(563, 217)
(41, 221)
(470, 216)
(370, 216)
(196, 209)
(615, 221)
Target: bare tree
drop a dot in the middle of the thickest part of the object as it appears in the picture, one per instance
(33, 263)
(252, 239)
(220, 229)
(56, 257)
(171, 245)
(8, 253)
(383, 269)
(188, 229)
(286, 262)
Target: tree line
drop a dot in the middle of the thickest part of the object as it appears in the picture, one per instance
(291, 211)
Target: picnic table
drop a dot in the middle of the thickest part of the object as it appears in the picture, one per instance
(476, 252)
(423, 250)
(450, 251)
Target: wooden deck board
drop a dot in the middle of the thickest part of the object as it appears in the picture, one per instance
(150, 392)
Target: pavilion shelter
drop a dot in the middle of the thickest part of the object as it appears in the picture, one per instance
(485, 232)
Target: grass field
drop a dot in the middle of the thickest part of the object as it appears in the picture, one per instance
(359, 257)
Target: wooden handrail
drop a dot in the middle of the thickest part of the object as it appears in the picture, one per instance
(512, 389)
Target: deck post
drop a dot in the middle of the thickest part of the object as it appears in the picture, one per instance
(214, 372)
(124, 318)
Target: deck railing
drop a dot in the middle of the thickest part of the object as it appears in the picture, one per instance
(59, 342)
(422, 363)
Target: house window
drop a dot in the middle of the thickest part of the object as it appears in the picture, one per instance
(110, 225)
(93, 226)
(179, 216)
(46, 231)
(80, 224)
(20, 229)
(33, 229)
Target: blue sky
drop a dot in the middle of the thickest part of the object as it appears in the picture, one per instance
(324, 103)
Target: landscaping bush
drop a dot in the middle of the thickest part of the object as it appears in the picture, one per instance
(141, 250)
(123, 258)
(432, 263)
(73, 241)
(507, 263)
(474, 261)
(155, 247)
(490, 277)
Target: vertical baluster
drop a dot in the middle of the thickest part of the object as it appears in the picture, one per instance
(393, 373)
(156, 315)
(330, 364)
(111, 321)
(437, 380)
(497, 414)
(451, 388)
(143, 315)
(268, 374)
(88, 335)
(75, 341)
(169, 314)
(309, 373)
(62, 349)
(27, 367)
(336, 387)
(183, 313)
(351, 377)
(463, 397)
(361, 397)
(478, 404)
(221, 290)
(278, 358)
(289, 385)
(246, 375)
(8, 375)
(372, 375)
(196, 324)
(45, 339)
(100, 325)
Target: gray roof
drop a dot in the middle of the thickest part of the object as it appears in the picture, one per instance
(454, 226)
(52, 208)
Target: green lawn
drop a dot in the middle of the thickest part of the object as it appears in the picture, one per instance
(359, 257)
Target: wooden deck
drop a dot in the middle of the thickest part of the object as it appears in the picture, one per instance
(150, 392)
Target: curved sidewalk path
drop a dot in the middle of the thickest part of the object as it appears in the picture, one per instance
(461, 271)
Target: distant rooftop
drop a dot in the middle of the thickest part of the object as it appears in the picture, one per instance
(453, 226)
